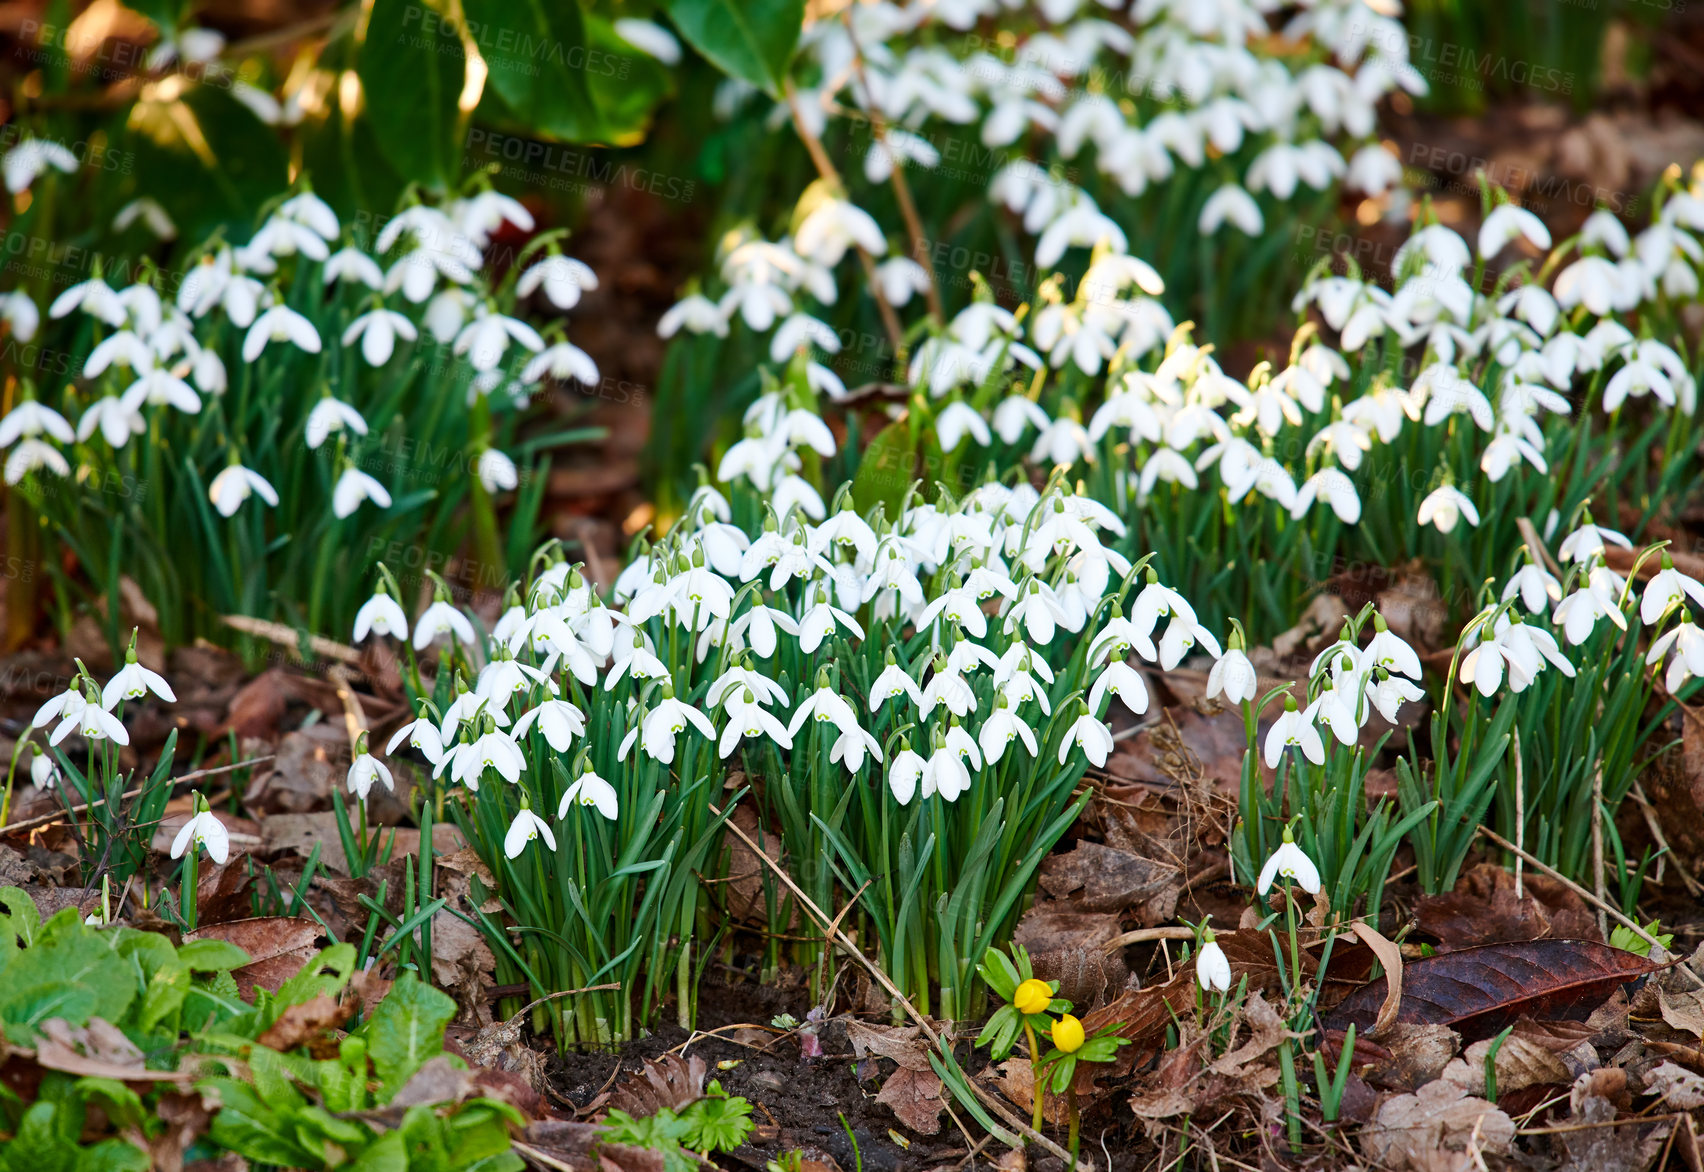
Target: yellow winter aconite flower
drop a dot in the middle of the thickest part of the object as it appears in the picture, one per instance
(1032, 996)
(1068, 1034)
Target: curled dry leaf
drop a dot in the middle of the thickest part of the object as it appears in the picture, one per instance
(1485, 909)
(1409, 1130)
(913, 1091)
(670, 1082)
(1478, 991)
(1390, 959)
(1070, 947)
(1407, 1057)
(97, 1050)
(278, 946)
(306, 1024)
(1677, 1087)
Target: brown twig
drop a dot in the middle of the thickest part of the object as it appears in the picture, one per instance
(825, 168)
(886, 982)
(1687, 879)
(1602, 905)
(58, 815)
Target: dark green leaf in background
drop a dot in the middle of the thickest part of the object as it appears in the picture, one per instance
(750, 39)
(412, 70)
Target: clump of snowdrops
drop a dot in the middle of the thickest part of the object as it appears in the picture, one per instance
(246, 433)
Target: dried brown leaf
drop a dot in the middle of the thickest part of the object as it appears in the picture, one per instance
(670, 1082)
(278, 946)
(1409, 1130)
(1485, 909)
(306, 1024)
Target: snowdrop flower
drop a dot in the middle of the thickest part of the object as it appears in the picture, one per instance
(851, 747)
(233, 486)
(894, 149)
(957, 420)
(1212, 968)
(900, 278)
(1390, 651)
(1289, 862)
(1333, 487)
(1294, 728)
(998, 731)
(590, 790)
(133, 681)
(657, 731)
(1373, 170)
(280, 324)
(1089, 734)
(442, 618)
(92, 721)
(1535, 586)
(1233, 676)
(1123, 681)
(19, 312)
(378, 330)
(30, 419)
(904, 772)
(1039, 612)
(484, 339)
(833, 227)
(492, 749)
(649, 38)
(1231, 204)
(561, 277)
(1516, 649)
(1588, 541)
(1598, 596)
(1387, 694)
(893, 681)
(527, 827)
(206, 831)
(26, 161)
(380, 615)
(698, 314)
(331, 415)
(94, 297)
(945, 773)
(351, 264)
(43, 772)
(1668, 587)
(365, 770)
(496, 471)
(1687, 642)
(1444, 506)
(32, 455)
(420, 734)
(66, 703)
(748, 719)
(1504, 224)
(562, 361)
(353, 487)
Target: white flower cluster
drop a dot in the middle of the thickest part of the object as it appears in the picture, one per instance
(157, 354)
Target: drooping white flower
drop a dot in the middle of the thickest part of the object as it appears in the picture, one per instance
(365, 770)
(1668, 587)
(233, 486)
(562, 278)
(442, 618)
(1294, 728)
(1212, 968)
(1289, 862)
(380, 615)
(1233, 676)
(133, 681)
(496, 472)
(203, 830)
(590, 790)
(1089, 734)
(353, 487)
(527, 827)
(280, 324)
(1444, 506)
(378, 330)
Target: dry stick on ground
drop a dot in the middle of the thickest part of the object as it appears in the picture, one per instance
(825, 168)
(59, 815)
(851, 948)
(1602, 905)
(288, 637)
(1598, 881)
(1520, 816)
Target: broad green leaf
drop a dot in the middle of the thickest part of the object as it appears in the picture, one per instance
(886, 470)
(750, 39)
(539, 61)
(38, 1146)
(412, 68)
(113, 1155)
(211, 956)
(73, 976)
(407, 1029)
(385, 1154)
(249, 1126)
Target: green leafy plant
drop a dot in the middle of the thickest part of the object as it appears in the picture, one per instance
(715, 1123)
